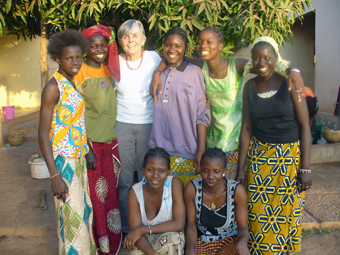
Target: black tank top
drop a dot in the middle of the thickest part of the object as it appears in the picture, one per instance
(273, 118)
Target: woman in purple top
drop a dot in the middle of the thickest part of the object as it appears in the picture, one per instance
(180, 116)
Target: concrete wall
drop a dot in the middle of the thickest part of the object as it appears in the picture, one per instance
(20, 72)
(327, 46)
(301, 52)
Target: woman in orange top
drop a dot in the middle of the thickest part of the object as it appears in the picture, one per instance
(103, 160)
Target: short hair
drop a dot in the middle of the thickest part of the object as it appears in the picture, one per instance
(218, 33)
(261, 43)
(177, 31)
(215, 152)
(127, 29)
(65, 38)
(158, 153)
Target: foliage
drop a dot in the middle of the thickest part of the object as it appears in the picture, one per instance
(24, 17)
(241, 20)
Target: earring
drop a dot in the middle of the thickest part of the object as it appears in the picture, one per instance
(167, 182)
(223, 174)
(143, 180)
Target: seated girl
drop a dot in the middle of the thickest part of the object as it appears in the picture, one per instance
(217, 211)
(156, 209)
(180, 117)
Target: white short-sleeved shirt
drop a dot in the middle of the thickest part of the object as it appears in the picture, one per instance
(135, 104)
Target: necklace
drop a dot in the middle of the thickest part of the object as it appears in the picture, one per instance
(213, 206)
(141, 60)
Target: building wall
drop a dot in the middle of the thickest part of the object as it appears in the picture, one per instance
(20, 72)
(327, 46)
(301, 52)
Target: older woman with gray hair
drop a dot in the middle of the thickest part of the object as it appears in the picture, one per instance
(135, 108)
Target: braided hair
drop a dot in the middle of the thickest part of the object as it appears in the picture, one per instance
(177, 31)
(215, 152)
(158, 153)
(218, 33)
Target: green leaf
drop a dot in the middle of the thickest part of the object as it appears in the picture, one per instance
(201, 8)
(8, 5)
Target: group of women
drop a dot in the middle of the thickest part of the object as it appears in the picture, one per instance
(103, 130)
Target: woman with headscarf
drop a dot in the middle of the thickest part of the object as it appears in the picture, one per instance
(103, 160)
(275, 141)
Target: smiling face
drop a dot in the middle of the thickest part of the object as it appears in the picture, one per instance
(156, 171)
(70, 61)
(97, 50)
(208, 45)
(132, 43)
(212, 170)
(174, 50)
(264, 59)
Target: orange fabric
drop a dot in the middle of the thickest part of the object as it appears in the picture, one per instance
(86, 72)
(308, 92)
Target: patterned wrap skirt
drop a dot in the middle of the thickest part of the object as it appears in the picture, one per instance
(183, 168)
(275, 203)
(232, 163)
(170, 243)
(225, 246)
(74, 217)
(104, 197)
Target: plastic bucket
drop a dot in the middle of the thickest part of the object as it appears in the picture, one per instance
(8, 112)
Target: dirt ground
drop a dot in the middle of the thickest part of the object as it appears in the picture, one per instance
(27, 230)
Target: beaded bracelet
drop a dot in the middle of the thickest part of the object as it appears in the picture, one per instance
(150, 229)
(305, 171)
(54, 175)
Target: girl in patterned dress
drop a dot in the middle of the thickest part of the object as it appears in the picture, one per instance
(63, 142)
(156, 209)
(217, 214)
(275, 141)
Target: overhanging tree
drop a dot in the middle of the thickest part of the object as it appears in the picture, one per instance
(241, 20)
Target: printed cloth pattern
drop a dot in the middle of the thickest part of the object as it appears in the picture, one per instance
(275, 204)
(75, 216)
(230, 227)
(225, 246)
(68, 135)
(104, 196)
(232, 163)
(170, 243)
(183, 168)
(225, 101)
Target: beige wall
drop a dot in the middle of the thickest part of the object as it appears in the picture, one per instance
(327, 45)
(20, 72)
(301, 52)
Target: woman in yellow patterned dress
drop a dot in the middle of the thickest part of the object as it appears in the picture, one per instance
(62, 125)
(275, 139)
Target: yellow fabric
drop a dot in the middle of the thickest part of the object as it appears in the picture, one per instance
(280, 66)
(275, 204)
(68, 135)
(183, 168)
